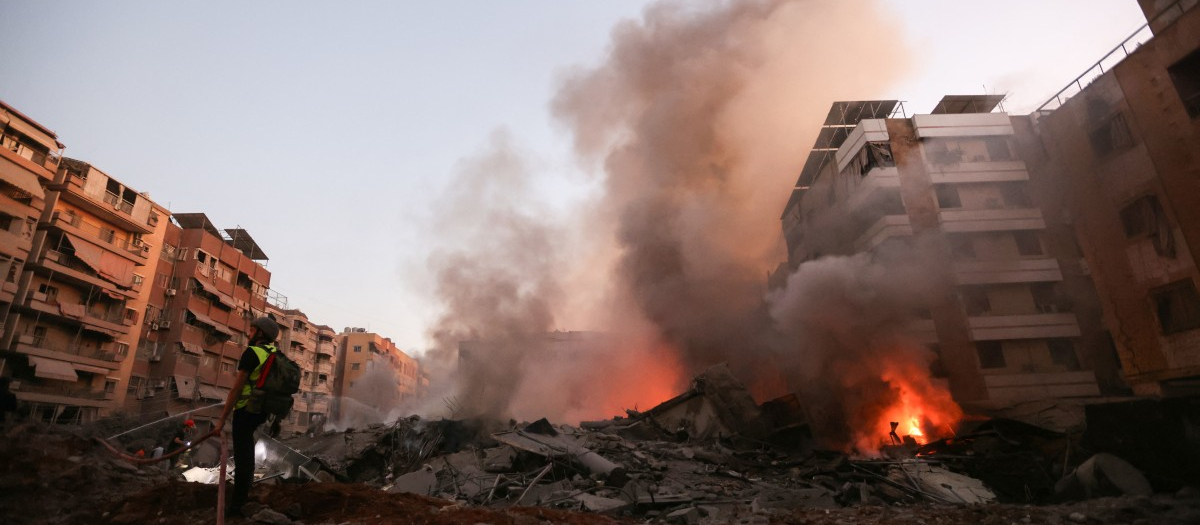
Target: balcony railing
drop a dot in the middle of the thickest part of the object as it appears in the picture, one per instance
(1114, 57)
(64, 391)
(135, 247)
(90, 353)
(46, 160)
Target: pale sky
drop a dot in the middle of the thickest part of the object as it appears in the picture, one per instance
(325, 128)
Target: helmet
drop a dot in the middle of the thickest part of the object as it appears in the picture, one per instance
(266, 327)
(189, 423)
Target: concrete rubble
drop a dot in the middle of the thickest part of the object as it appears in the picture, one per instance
(710, 455)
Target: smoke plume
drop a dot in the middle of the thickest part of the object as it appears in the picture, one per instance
(695, 123)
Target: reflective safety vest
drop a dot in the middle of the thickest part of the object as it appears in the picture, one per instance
(262, 353)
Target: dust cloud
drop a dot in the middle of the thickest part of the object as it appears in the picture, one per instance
(694, 126)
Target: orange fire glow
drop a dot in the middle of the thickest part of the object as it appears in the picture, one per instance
(923, 408)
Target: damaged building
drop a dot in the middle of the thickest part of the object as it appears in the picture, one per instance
(1118, 151)
(1006, 326)
(76, 311)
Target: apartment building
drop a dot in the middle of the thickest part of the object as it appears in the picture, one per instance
(208, 285)
(77, 309)
(1005, 321)
(361, 352)
(29, 156)
(313, 347)
(1123, 141)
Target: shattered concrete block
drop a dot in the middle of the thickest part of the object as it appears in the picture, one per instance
(688, 516)
(422, 482)
(600, 504)
(499, 459)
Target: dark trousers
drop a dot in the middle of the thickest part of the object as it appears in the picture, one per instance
(244, 425)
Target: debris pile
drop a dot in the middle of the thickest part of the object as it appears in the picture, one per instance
(710, 455)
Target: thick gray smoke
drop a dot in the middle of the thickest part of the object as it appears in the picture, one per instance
(700, 120)
(696, 124)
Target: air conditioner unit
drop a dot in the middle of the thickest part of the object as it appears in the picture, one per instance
(170, 292)
(154, 326)
(164, 324)
(155, 358)
(149, 393)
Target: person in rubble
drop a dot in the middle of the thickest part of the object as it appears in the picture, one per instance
(263, 332)
(181, 439)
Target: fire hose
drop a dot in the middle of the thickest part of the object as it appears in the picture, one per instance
(187, 447)
(144, 460)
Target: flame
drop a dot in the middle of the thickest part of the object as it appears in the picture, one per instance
(921, 405)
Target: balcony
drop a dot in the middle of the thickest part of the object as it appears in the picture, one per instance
(16, 151)
(1036, 386)
(101, 203)
(81, 273)
(867, 130)
(15, 244)
(328, 349)
(86, 359)
(877, 180)
(989, 220)
(885, 228)
(970, 172)
(112, 325)
(1010, 271)
(60, 395)
(135, 251)
(1031, 326)
(962, 125)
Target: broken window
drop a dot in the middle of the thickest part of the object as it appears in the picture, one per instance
(1111, 135)
(1145, 217)
(1185, 74)
(1178, 306)
(1062, 353)
(947, 196)
(1015, 195)
(1028, 243)
(991, 354)
(976, 302)
(998, 148)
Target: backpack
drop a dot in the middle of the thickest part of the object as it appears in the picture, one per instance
(278, 380)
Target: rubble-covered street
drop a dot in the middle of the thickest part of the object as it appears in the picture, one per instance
(687, 461)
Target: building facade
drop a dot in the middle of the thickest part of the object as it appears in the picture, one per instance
(361, 352)
(1004, 319)
(313, 347)
(1125, 145)
(77, 309)
(208, 286)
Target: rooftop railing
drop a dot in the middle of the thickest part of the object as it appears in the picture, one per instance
(1112, 58)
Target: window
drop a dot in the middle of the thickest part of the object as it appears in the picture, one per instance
(997, 148)
(138, 279)
(227, 367)
(947, 196)
(991, 354)
(1015, 195)
(322, 379)
(976, 302)
(1145, 217)
(1028, 243)
(1178, 306)
(50, 291)
(1185, 74)
(1111, 135)
(108, 235)
(1141, 216)
(355, 366)
(121, 349)
(358, 348)
(1062, 352)
(207, 361)
(110, 386)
